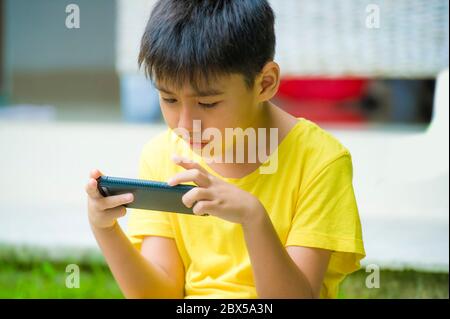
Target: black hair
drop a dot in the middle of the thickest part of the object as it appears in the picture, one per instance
(194, 41)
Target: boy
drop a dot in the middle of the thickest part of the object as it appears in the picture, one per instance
(292, 233)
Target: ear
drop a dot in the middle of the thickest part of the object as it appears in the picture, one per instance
(268, 81)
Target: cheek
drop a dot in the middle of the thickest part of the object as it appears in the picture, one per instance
(170, 116)
(223, 117)
(240, 114)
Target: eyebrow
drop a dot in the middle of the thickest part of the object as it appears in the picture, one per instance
(200, 92)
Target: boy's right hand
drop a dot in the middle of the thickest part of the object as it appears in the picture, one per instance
(103, 211)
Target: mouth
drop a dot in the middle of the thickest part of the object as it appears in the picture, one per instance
(196, 144)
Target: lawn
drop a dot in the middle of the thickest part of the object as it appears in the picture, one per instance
(31, 273)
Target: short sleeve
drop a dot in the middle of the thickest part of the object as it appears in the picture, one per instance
(327, 216)
(142, 223)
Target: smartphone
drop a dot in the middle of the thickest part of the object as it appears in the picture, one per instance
(148, 194)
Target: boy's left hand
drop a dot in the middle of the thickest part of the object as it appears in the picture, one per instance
(214, 196)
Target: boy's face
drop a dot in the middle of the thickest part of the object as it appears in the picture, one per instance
(226, 103)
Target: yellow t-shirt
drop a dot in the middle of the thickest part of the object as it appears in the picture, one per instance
(309, 198)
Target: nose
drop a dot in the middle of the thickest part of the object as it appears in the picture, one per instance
(185, 118)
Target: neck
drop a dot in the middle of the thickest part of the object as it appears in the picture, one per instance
(262, 119)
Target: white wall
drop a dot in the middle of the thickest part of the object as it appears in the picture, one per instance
(132, 17)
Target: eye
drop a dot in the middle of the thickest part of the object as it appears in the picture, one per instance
(208, 105)
(170, 101)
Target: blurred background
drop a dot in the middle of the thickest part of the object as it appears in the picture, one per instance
(372, 72)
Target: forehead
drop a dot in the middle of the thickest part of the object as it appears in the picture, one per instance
(213, 86)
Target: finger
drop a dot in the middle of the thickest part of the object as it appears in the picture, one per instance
(204, 207)
(95, 173)
(92, 190)
(116, 200)
(187, 163)
(191, 175)
(117, 212)
(195, 195)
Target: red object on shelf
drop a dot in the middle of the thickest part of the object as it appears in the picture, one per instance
(322, 99)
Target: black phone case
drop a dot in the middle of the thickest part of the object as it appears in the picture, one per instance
(149, 195)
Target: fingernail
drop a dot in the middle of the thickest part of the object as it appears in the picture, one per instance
(129, 197)
(169, 181)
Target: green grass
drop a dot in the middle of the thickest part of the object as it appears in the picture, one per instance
(31, 273)
(48, 281)
(407, 284)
